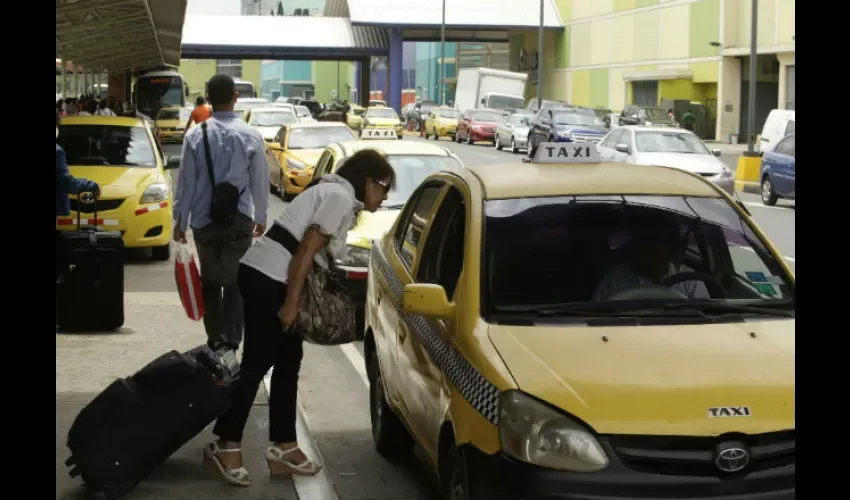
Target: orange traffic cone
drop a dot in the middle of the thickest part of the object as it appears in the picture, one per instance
(421, 129)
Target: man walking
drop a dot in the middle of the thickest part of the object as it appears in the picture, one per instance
(237, 155)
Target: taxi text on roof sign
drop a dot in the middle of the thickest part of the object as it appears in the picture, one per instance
(378, 133)
(567, 152)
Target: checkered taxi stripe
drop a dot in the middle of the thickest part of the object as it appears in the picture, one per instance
(477, 390)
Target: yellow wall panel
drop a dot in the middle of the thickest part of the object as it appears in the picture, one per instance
(555, 85)
(581, 88)
(675, 27)
(582, 44)
(616, 90)
(584, 8)
(767, 22)
(705, 71)
(624, 35)
(787, 17)
(600, 31)
(645, 39)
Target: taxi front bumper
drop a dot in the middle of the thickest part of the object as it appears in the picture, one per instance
(294, 181)
(450, 131)
(507, 479)
(170, 135)
(141, 226)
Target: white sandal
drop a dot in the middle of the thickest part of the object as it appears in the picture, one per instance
(278, 465)
(237, 477)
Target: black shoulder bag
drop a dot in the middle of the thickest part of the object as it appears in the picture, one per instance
(225, 202)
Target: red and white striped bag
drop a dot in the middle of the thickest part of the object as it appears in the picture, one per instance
(189, 282)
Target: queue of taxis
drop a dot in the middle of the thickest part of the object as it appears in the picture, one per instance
(380, 118)
(574, 330)
(122, 155)
(441, 122)
(294, 150)
(170, 124)
(268, 121)
(355, 117)
(412, 162)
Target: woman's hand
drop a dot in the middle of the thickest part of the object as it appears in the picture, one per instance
(287, 314)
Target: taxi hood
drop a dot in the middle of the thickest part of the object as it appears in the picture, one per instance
(119, 182)
(371, 226)
(308, 157)
(170, 124)
(658, 379)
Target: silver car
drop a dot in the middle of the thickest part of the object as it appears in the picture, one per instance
(667, 147)
(513, 132)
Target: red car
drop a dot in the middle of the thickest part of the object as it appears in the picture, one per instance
(478, 125)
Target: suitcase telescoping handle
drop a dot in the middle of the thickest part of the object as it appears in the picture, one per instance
(88, 199)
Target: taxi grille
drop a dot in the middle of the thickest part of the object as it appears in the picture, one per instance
(101, 205)
(694, 456)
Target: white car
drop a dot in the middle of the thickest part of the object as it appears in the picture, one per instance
(667, 147)
(269, 120)
(304, 115)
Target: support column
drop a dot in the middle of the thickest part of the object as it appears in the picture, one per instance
(64, 79)
(364, 81)
(394, 69)
(76, 81)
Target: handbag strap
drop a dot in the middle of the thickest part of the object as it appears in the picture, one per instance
(208, 154)
(287, 240)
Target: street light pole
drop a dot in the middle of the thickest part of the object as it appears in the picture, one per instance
(442, 86)
(540, 59)
(751, 104)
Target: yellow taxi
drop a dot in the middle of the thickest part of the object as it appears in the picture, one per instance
(355, 117)
(569, 329)
(268, 120)
(381, 117)
(412, 162)
(170, 124)
(123, 157)
(294, 150)
(441, 122)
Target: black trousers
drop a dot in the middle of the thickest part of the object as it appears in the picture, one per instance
(265, 346)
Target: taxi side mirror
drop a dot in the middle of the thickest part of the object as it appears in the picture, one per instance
(428, 300)
(624, 148)
(716, 152)
(172, 162)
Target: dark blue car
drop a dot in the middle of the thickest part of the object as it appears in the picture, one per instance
(778, 173)
(563, 125)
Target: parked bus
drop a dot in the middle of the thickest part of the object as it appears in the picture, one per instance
(244, 88)
(159, 89)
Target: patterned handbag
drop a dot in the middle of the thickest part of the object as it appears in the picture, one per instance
(326, 310)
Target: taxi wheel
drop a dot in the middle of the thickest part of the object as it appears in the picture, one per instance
(768, 195)
(161, 253)
(497, 143)
(457, 481)
(390, 436)
(514, 149)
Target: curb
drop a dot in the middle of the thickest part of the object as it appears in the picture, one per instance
(748, 187)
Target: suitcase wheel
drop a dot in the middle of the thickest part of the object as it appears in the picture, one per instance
(74, 472)
(71, 461)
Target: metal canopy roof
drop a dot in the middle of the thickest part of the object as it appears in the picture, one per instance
(465, 15)
(280, 37)
(119, 34)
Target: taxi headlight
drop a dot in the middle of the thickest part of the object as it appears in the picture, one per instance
(155, 193)
(355, 257)
(295, 165)
(533, 433)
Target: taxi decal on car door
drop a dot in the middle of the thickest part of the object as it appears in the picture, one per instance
(479, 392)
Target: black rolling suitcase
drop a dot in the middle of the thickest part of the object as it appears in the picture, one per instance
(90, 294)
(136, 423)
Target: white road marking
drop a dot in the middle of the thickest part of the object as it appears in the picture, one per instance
(492, 157)
(356, 360)
(756, 204)
(318, 487)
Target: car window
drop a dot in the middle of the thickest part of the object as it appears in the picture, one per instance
(791, 127)
(318, 137)
(585, 247)
(279, 117)
(651, 141)
(381, 113)
(107, 145)
(410, 171)
(442, 253)
(415, 219)
(278, 137)
(786, 146)
(615, 139)
(486, 116)
(448, 113)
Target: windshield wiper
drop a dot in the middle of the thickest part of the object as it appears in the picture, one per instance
(721, 307)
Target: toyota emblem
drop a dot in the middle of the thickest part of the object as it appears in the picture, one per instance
(732, 459)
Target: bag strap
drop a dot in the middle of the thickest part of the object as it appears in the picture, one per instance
(208, 154)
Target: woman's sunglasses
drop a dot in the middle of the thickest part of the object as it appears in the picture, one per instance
(385, 185)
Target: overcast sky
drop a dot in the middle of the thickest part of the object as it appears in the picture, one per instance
(217, 7)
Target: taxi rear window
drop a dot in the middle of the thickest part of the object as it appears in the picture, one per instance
(106, 145)
(549, 252)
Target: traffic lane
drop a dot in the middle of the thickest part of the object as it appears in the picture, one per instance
(479, 153)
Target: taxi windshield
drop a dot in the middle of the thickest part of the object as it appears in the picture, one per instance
(381, 113)
(623, 253)
(669, 142)
(410, 171)
(302, 111)
(173, 114)
(317, 137)
(575, 118)
(448, 113)
(358, 111)
(272, 118)
(106, 145)
(486, 116)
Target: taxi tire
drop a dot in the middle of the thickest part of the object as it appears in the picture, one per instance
(161, 253)
(388, 432)
(458, 481)
(497, 143)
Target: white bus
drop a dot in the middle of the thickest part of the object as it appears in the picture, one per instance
(244, 88)
(159, 89)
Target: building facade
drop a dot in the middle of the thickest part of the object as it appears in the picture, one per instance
(618, 52)
(196, 72)
(258, 7)
(427, 77)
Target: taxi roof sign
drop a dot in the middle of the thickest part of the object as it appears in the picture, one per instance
(378, 133)
(567, 152)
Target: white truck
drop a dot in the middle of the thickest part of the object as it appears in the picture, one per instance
(489, 88)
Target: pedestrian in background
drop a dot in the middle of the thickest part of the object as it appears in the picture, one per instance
(271, 279)
(200, 114)
(103, 109)
(688, 120)
(236, 154)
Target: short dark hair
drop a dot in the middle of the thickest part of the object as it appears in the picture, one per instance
(220, 90)
(91, 106)
(362, 165)
(200, 101)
